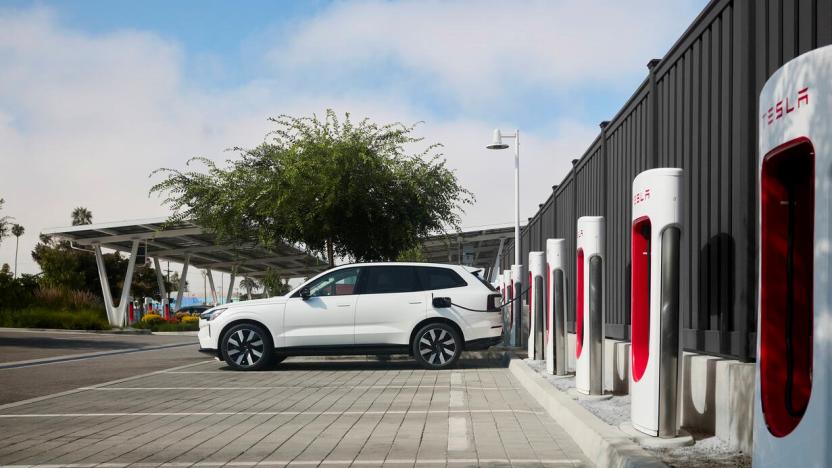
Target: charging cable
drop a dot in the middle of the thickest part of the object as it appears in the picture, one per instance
(480, 310)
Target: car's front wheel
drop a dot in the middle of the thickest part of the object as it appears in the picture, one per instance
(437, 346)
(247, 347)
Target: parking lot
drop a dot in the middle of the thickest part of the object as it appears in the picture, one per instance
(303, 412)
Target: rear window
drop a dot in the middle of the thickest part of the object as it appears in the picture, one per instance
(439, 278)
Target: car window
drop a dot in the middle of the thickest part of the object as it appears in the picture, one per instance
(390, 279)
(439, 278)
(338, 283)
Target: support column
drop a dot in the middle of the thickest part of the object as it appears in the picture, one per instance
(183, 280)
(231, 284)
(211, 284)
(116, 314)
(160, 279)
(105, 284)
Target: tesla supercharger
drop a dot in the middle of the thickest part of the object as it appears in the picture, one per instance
(508, 295)
(654, 301)
(556, 342)
(537, 304)
(793, 400)
(516, 306)
(589, 306)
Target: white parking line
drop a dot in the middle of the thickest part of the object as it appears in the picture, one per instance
(458, 434)
(403, 461)
(111, 382)
(264, 413)
(454, 391)
(457, 398)
(85, 356)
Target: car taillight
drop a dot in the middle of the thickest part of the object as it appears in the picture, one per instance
(494, 302)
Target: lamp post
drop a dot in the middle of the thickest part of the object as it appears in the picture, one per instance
(497, 144)
(513, 337)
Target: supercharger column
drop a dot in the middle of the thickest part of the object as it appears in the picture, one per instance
(516, 306)
(654, 301)
(556, 344)
(508, 295)
(537, 304)
(793, 397)
(589, 306)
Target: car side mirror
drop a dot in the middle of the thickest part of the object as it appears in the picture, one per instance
(304, 293)
(441, 302)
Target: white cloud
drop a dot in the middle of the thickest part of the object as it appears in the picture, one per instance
(473, 50)
(85, 118)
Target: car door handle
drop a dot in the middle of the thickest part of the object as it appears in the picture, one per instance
(344, 305)
(415, 302)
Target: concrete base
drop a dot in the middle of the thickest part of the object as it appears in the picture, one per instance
(605, 445)
(575, 394)
(684, 439)
(717, 394)
(559, 377)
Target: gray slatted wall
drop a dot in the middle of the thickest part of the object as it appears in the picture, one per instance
(697, 109)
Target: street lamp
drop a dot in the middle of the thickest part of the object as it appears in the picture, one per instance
(497, 144)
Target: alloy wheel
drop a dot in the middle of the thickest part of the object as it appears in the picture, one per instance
(245, 347)
(437, 346)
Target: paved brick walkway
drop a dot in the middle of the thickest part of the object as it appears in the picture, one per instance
(302, 413)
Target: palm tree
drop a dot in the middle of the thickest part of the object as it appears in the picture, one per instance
(17, 231)
(81, 215)
(249, 284)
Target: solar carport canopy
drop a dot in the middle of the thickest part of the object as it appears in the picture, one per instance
(186, 241)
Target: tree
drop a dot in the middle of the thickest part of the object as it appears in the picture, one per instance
(80, 216)
(17, 231)
(4, 222)
(413, 254)
(275, 284)
(249, 283)
(346, 189)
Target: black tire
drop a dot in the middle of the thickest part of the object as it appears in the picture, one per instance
(241, 345)
(437, 346)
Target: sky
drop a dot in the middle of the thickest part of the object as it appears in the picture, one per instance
(95, 95)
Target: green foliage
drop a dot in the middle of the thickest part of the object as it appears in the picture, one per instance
(75, 269)
(42, 317)
(413, 254)
(17, 230)
(4, 222)
(276, 285)
(80, 216)
(352, 188)
(158, 324)
(65, 299)
(16, 293)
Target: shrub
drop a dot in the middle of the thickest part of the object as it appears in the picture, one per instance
(152, 319)
(188, 319)
(65, 299)
(40, 317)
(16, 293)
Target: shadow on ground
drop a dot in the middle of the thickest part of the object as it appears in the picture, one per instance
(360, 364)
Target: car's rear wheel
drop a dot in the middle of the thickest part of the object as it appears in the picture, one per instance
(437, 346)
(247, 347)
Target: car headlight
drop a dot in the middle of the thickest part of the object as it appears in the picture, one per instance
(212, 314)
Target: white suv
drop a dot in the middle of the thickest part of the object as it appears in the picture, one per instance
(430, 311)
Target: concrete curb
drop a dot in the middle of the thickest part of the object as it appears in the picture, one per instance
(115, 331)
(606, 445)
